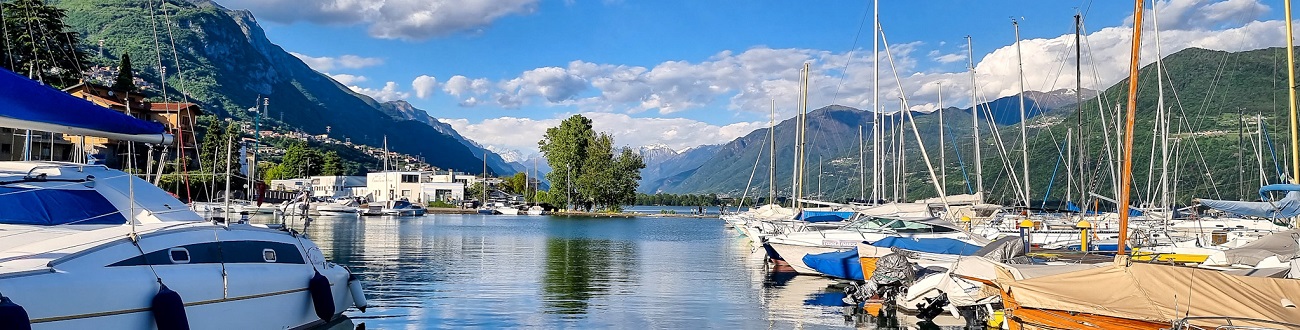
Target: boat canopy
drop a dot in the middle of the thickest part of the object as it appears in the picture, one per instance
(27, 104)
(1287, 207)
(839, 264)
(1282, 245)
(1156, 293)
(928, 245)
(49, 207)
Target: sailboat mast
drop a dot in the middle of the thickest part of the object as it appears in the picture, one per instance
(1078, 104)
(943, 164)
(1163, 122)
(877, 165)
(803, 133)
(1126, 177)
(975, 118)
(1290, 78)
(1024, 136)
(862, 166)
(771, 179)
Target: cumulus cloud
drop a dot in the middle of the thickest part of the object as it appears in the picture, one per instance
(391, 19)
(678, 133)
(326, 64)
(390, 92)
(347, 79)
(750, 80)
(424, 86)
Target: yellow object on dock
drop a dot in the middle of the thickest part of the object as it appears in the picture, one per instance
(995, 320)
(1177, 258)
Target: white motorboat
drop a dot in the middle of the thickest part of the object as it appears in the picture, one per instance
(792, 247)
(403, 208)
(74, 259)
(88, 247)
(536, 210)
(338, 207)
(508, 210)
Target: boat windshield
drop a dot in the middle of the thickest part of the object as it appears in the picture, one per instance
(896, 225)
(49, 207)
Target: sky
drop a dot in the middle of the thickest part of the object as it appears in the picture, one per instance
(692, 72)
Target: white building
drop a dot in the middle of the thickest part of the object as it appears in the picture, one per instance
(338, 186)
(414, 186)
(290, 184)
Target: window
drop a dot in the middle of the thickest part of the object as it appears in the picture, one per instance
(410, 178)
(406, 193)
(179, 255)
(268, 255)
(6, 148)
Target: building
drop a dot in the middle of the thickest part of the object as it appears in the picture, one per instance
(290, 184)
(45, 145)
(178, 118)
(414, 186)
(338, 186)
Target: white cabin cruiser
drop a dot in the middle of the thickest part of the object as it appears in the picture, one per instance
(792, 247)
(88, 247)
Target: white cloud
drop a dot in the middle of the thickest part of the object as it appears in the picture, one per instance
(327, 64)
(347, 79)
(390, 92)
(677, 133)
(391, 19)
(424, 86)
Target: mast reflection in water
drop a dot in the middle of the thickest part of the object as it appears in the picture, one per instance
(442, 271)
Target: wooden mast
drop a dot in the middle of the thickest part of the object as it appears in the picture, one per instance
(1126, 177)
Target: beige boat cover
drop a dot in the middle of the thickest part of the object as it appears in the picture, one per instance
(1281, 244)
(1157, 293)
(964, 292)
(964, 199)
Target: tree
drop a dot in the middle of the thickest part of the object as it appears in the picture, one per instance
(585, 166)
(515, 184)
(216, 148)
(125, 81)
(332, 164)
(475, 191)
(39, 44)
(565, 148)
(301, 161)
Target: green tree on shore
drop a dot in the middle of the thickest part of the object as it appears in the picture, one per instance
(587, 167)
(37, 43)
(125, 81)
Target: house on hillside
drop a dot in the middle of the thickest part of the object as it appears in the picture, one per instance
(178, 118)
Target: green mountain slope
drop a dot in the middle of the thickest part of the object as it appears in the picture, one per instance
(1205, 90)
(227, 62)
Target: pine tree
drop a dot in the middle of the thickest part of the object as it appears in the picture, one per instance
(38, 43)
(125, 81)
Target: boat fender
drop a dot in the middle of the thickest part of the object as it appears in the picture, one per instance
(321, 296)
(169, 310)
(358, 296)
(13, 316)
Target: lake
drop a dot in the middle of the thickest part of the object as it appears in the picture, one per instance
(454, 271)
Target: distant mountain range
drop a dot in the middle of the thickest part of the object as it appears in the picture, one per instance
(228, 62)
(1214, 96)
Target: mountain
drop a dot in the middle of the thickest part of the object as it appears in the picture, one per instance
(655, 154)
(227, 62)
(401, 110)
(1219, 149)
(659, 173)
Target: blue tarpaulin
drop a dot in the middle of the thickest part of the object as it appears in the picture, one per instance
(824, 218)
(928, 245)
(28, 206)
(28, 100)
(842, 264)
(1287, 207)
(808, 215)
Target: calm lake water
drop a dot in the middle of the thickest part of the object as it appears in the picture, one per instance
(455, 271)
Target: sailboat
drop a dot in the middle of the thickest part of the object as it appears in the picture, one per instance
(1131, 295)
(89, 247)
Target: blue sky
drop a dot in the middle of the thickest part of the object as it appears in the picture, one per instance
(684, 73)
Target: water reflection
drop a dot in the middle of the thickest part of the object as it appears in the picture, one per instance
(579, 269)
(475, 271)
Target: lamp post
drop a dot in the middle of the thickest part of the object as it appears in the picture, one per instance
(257, 136)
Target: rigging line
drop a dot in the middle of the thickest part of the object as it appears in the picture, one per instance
(185, 97)
(852, 51)
(1196, 146)
(4, 23)
(751, 176)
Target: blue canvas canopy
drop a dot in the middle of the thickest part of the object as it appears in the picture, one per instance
(808, 215)
(841, 264)
(33, 206)
(928, 245)
(824, 218)
(1287, 207)
(27, 104)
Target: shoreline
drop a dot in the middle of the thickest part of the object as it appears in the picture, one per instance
(454, 210)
